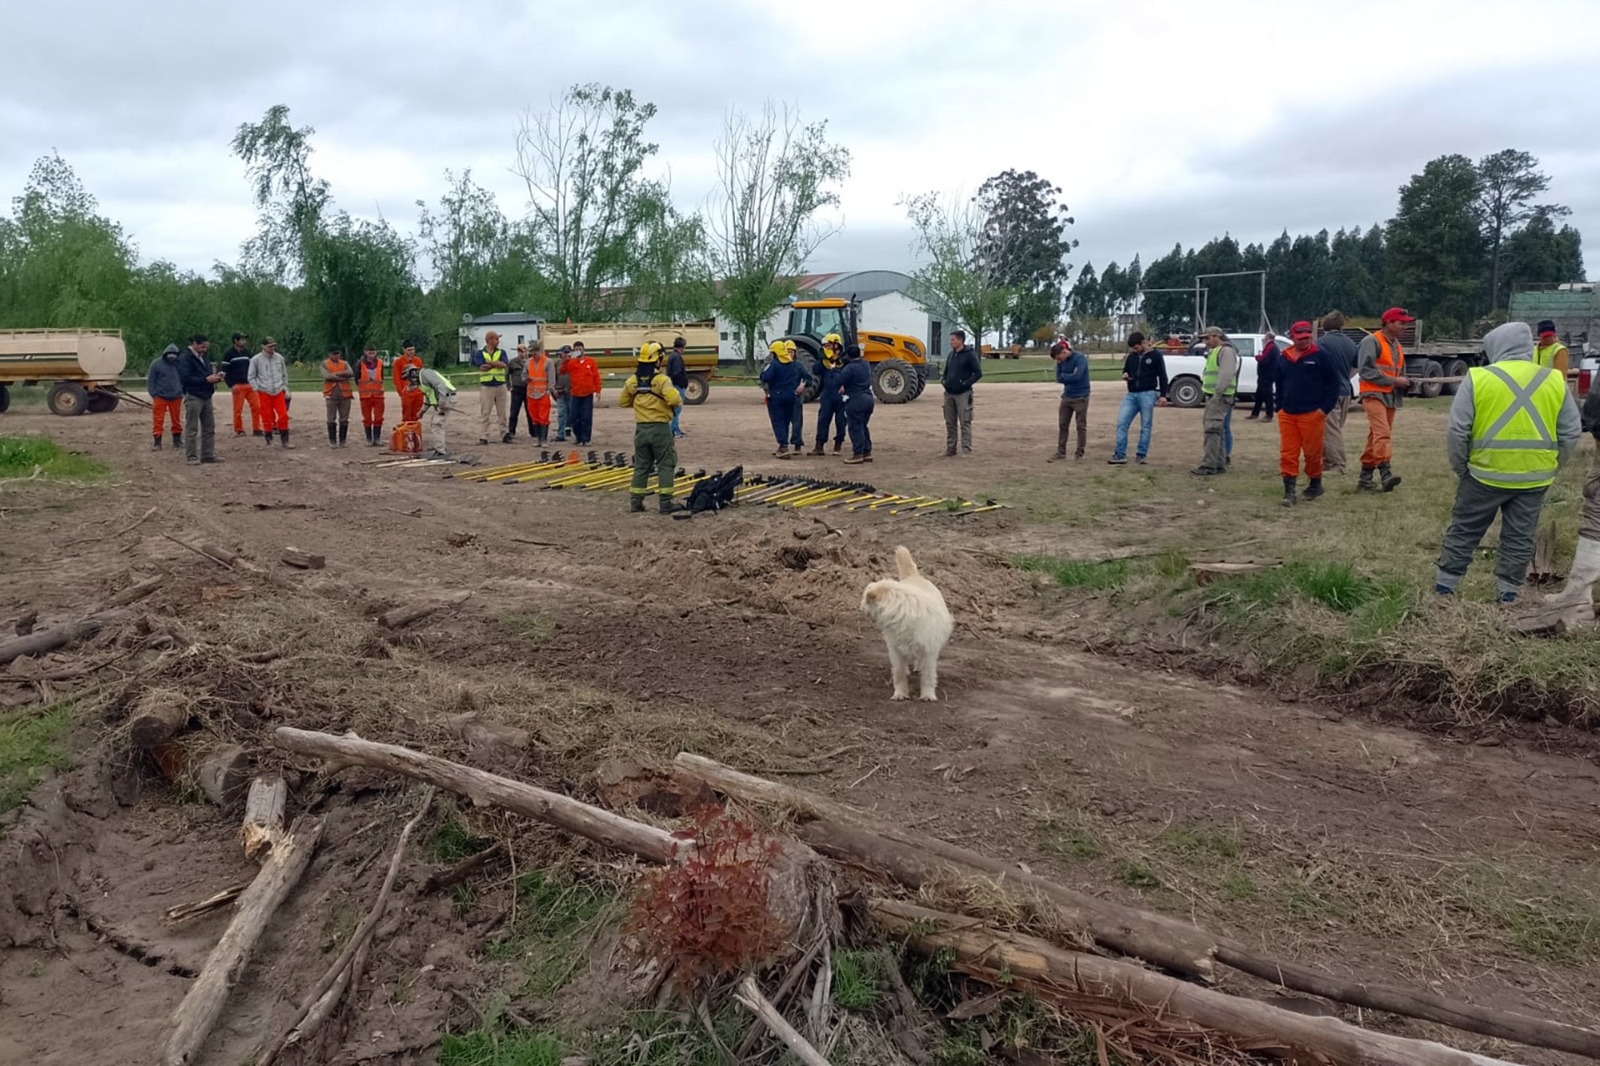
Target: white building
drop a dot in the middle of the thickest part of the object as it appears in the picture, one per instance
(885, 307)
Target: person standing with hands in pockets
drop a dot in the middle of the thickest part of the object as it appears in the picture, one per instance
(962, 370)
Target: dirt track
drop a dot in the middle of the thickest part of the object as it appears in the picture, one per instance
(1362, 840)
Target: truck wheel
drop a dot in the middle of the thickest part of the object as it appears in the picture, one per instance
(68, 398)
(696, 391)
(893, 381)
(1456, 368)
(1186, 392)
(5, 399)
(1431, 385)
(102, 402)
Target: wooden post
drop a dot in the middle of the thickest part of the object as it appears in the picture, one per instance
(223, 774)
(198, 1013)
(263, 815)
(156, 719)
(404, 616)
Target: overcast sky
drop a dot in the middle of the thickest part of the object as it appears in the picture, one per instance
(1162, 120)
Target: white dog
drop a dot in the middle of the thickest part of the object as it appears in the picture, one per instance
(915, 623)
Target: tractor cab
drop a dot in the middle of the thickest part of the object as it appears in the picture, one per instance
(899, 371)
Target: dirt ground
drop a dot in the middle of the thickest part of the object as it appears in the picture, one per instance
(1351, 845)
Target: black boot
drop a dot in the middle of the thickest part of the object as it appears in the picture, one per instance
(667, 504)
(344, 431)
(1386, 478)
(177, 442)
(333, 434)
(157, 446)
(1289, 499)
(269, 438)
(285, 435)
(636, 504)
(1314, 489)
(1364, 484)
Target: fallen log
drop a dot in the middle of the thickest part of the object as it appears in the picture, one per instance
(840, 831)
(303, 560)
(635, 838)
(263, 815)
(197, 1014)
(404, 616)
(354, 946)
(49, 640)
(184, 911)
(1206, 573)
(157, 718)
(462, 870)
(217, 554)
(136, 592)
(1041, 965)
(224, 774)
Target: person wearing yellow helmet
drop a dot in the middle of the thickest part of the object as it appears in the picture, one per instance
(830, 406)
(785, 379)
(653, 398)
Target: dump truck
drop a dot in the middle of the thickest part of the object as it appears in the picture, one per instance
(899, 361)
(613, 345)
(80, 365)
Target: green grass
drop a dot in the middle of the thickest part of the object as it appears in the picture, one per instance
(1074, 574)
(1137, 873)
(859, 978)
(1335, 585)
(1199, 843)
(532, 626)
(32, 743)
(1068, 839)
(553, 914)
(19, 456)
(1538, 917)
(452, 842)
(489, 1046)
(1238, 886)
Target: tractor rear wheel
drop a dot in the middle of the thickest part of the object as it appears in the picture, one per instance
(893, 381)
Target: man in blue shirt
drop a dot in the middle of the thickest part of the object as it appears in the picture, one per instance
(1072, 372)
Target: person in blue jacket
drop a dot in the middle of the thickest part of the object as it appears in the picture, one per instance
(855, 392)
(785, 379)
(829, 407)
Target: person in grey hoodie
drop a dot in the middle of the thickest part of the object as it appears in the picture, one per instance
(166, 396)
(1511, 426)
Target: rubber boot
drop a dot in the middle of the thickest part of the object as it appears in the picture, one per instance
(157, 445)
(636, 504)
(1313, 490)
(285, 435)
(1289, 484)
(1578, 593)
(1364, 484)
(177, 442)
(269, 438)
(344, 431)
(667, 504)
(1386, 478)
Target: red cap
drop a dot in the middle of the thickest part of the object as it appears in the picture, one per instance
(1397, 314)
(1300, 329)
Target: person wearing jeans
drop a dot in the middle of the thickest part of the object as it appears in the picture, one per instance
(1145, 371)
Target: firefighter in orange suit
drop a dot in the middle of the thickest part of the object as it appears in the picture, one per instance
(541, 372)
(369, 388)
(409, 393)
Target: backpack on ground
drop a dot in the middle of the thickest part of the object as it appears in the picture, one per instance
(714, 493)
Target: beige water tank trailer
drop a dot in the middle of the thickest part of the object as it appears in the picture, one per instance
(81, 365)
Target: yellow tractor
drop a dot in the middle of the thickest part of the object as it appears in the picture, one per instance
(899, 362)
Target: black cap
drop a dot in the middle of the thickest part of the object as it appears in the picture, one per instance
(1547, 326)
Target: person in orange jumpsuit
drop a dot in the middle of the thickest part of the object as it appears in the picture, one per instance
(541, 370)
(369, 387)
(236, 375)
(410, 395)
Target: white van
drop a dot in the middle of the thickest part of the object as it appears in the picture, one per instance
(1184, 372)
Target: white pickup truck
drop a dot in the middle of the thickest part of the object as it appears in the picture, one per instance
(1184, 372)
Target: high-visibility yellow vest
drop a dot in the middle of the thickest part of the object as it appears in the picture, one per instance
(1208, 382)
(1516, 406)
(493, 373)
(1546, 355)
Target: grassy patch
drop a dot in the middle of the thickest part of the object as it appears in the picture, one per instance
(1195, 842)
(20, 456)
(1070, 840)
(1334, 585)
(553, 913)
(1238, 886)
(532, 626)
(452, 842)
(32, 743)
(1137, 873)
(859, 978)
(489, 1046)
(1551, 927)
(1075, 574)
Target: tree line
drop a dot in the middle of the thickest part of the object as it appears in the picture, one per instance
(1464, 234)
(600, 240)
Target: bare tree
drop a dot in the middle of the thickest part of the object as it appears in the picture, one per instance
(583, 161)
(962, 278)
(774, 174)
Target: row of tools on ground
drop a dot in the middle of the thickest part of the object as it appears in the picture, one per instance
(613, 471)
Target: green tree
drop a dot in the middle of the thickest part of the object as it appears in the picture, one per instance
(672, 278)
(1539, 253)
(774, 174)
(1435, 242)
(583, 162)
(1025, 238)
(956, 282)
(1085, 300)
(1508, 181)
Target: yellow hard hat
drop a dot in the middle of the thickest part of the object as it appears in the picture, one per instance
(650, 352)
(790, 347)
(779, 347)
(833, 338)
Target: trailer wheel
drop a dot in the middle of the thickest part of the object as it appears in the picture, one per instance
(68, 398)
(1431, 386)
(1186, 392)
(101, 402)
(5, 399)
(1456, 368)
(696, 391)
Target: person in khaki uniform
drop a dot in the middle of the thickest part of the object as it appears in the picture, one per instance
(493, 372)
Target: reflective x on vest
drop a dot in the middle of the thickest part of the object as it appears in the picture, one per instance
(1515, 409)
